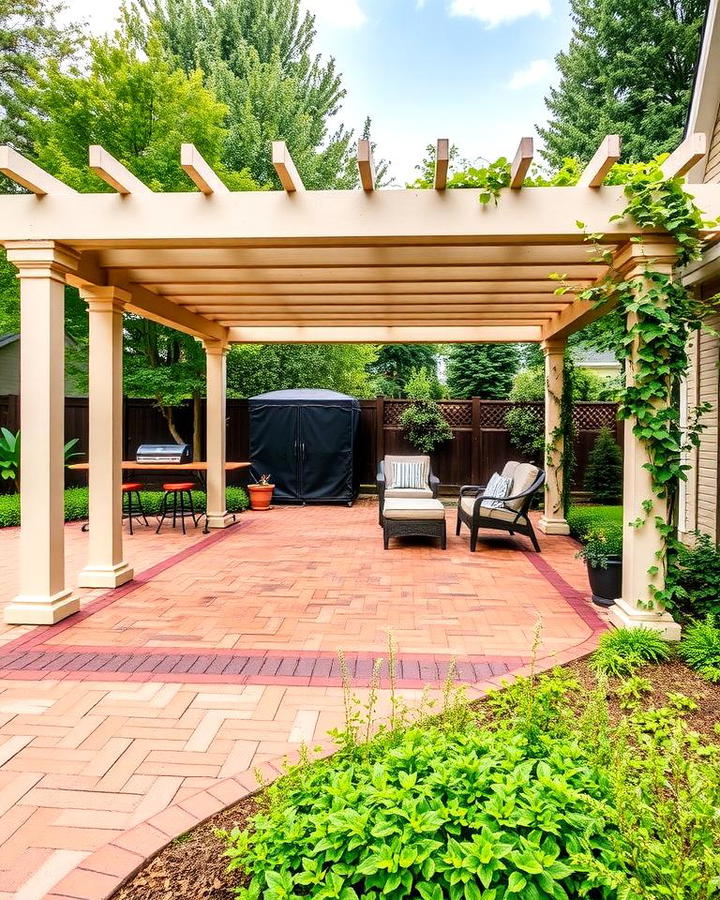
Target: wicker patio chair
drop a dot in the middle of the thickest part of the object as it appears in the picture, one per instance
(385, 487)
(512, 516)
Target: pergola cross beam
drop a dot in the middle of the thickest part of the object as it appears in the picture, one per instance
(200, 172)
(29, 175)
(114, 173)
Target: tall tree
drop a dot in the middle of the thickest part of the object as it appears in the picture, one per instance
(257, 55)
(628, 71)
(256, 368)
(30, 35)
(482, 370)
(395, 364)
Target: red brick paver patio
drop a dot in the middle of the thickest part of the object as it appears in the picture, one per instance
(222, 655)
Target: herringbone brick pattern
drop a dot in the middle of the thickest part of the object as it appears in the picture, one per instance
(106, 719)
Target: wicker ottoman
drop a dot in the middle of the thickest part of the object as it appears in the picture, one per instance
(421, 518)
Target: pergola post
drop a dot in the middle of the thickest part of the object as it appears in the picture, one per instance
(553, 519)
(106, 567)
(642, 546)
(216, 424)
(43, 597)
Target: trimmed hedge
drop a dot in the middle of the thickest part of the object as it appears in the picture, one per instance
(584, 519)
(76, 504)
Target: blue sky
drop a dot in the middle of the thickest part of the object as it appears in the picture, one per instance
(474, 71)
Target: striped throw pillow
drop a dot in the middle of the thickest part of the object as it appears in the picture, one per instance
(408, 475)
(498, 487)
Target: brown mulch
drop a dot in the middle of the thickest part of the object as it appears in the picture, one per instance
(193, 865)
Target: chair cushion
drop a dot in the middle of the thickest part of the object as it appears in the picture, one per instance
(413, 509)
(408, 475)
(132, 486)
(180, 486)
(498, 487)
(525, 474)
(390, 468)
(423, 493)
(509, 469)
(507, 515)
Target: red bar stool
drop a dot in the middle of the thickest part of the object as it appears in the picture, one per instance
(177, 492)
(133, 509)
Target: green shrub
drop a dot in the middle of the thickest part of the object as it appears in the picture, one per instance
(76, 504)
(583, 519)
(623, 650)
(430, 812)
(700, 648)
(599, 545)
(603, 476)
(425, 426)
(526, 431)
(694, 577)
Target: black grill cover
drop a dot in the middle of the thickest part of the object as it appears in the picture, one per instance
(305, 439)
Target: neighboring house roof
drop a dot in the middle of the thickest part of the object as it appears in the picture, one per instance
(6, 339)
(706, 89)
(596, 359)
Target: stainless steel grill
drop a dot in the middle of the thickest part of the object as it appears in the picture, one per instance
(163, 453)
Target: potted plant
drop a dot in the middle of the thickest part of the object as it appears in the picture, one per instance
(261, 493)
(602, 552)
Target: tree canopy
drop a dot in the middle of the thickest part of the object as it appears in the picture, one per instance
(482, 370)
(257, 56)
(395, 364)
(628, 71)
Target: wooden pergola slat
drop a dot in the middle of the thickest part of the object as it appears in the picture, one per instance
(114, 173)
(29, 175)
(285, 168)
(681, 160)
(522, 162)
(366, 164)
(200, 172)
(606, 155)
(442, 163)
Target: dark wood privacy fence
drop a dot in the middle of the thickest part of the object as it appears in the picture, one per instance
(480, 446)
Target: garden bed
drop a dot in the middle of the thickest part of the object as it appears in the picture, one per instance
(194, 865)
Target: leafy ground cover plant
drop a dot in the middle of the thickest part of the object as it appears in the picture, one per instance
(693, 577)
(76, 504)
(623, 650)
(583, 519)
(700, 648)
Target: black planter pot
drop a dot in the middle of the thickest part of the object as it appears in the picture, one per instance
(606, 584)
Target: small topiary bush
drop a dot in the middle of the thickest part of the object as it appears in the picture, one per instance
(603, 476)
(584, 519)
(425, 426)
(76, 504)
(700, 648)
(623, 650)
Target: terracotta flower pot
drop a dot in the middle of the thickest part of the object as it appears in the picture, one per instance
(260, 495)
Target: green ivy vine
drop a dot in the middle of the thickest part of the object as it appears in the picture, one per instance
(662, 314)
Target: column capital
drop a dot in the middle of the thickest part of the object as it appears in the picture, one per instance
(104, 297)
(216, 348)
(635, 256)
(553, 345)
(42, 259)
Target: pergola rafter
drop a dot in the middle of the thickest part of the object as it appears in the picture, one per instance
(296, 265)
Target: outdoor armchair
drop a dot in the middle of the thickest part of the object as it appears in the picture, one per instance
(511, 514)
(388, 487)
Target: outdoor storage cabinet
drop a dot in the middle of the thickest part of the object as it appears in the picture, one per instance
(305, 440)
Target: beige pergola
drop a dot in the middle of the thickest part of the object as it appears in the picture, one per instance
(294, 265)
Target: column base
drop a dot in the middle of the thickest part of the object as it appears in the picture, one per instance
(220, 520)
(105, 576)
(553, 526)
(27, 609)
(626, 615)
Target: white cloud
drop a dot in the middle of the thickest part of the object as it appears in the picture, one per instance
(338, 13)
(494, 12)
(536, 71)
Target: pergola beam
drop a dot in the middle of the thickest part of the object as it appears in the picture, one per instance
(690, 152)
(29, 175)
(606, 155)
(522, 162)
(200, 172)
(114, 173)
(285, 168)
(387, 300)
(153, 306)
(442, 163)
(359, 288)
(379, 334)
(366, 164)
